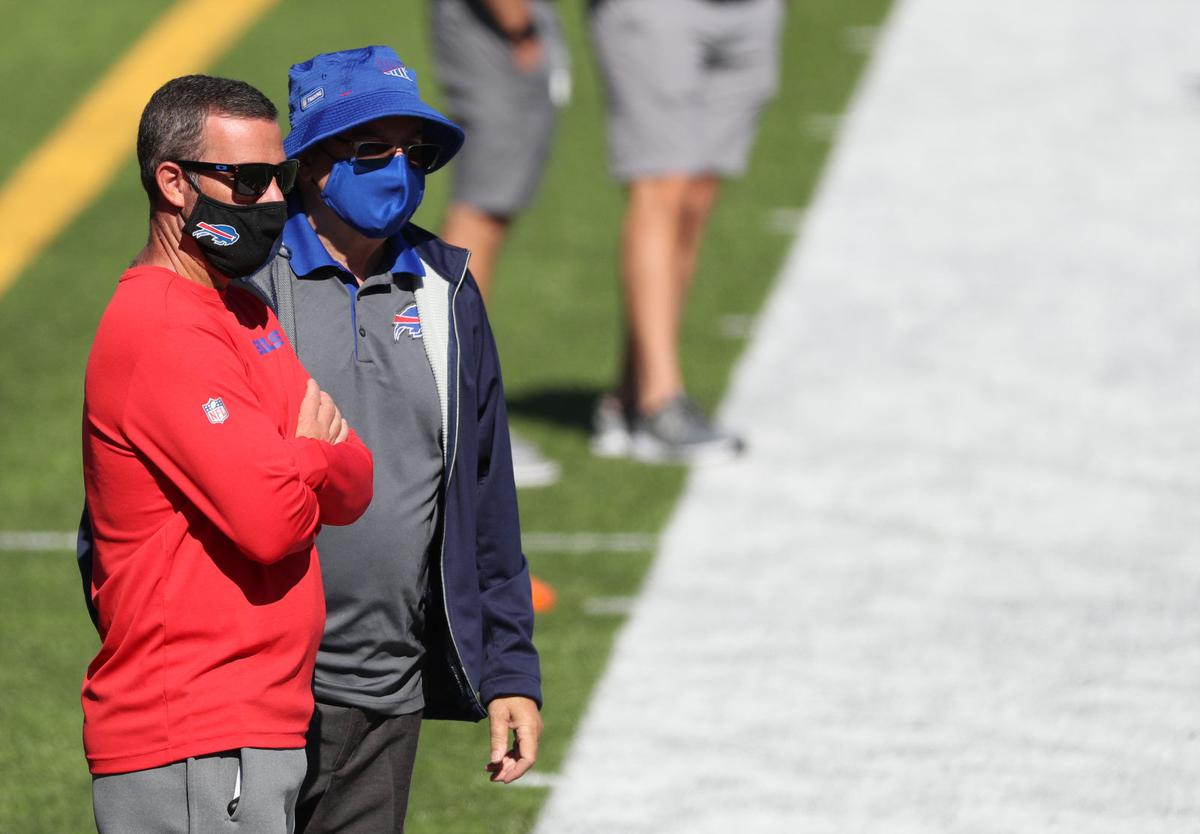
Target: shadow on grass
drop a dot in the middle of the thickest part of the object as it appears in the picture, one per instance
(568, 407)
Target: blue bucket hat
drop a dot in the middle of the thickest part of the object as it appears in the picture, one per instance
(337, 90)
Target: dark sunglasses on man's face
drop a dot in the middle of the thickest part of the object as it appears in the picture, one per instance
(420, 155)
(250, 179)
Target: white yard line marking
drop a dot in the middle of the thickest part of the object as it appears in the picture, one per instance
(588, 542)
(736, 326)
(785, 220)
(952, 585)
(47, 541)
(36, 541)
(609, 606)
(862, 39)
(535, 779)
(823, 126)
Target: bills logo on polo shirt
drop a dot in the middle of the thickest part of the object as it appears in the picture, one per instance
(221, 233)
(406, 321)
(215, 411)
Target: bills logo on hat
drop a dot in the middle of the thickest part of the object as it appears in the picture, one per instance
(359, 86)
(406, 321)
(215, 411)
(222, 234)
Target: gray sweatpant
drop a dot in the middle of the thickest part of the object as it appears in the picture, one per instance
(251, 791)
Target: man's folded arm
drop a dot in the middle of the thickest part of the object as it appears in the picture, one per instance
(192, 412)
(341, 475)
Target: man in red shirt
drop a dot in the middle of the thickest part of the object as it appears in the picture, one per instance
(211, 460)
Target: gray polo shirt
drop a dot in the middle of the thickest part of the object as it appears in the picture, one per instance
(363, 344)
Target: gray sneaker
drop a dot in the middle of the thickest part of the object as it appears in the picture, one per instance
(680, 432)
(530, 467)
(610, 429)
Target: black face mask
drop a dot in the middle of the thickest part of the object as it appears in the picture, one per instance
(236, 240)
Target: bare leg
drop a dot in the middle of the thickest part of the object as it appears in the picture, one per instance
(483, 234)
(661, 237)
(664, 227)
(649, 270)
(697, 207)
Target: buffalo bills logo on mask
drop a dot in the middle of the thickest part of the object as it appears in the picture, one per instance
(222, 234)
(257, 233)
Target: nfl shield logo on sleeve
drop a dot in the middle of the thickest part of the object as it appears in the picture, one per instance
(215, 411)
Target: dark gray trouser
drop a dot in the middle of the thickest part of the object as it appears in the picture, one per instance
(360, 766)
(251, 791)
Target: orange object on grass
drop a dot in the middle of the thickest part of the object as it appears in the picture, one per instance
(543, 595)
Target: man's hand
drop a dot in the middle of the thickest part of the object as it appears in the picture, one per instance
(320, 418)
(514, 17)
(522, 717)
(527, 54)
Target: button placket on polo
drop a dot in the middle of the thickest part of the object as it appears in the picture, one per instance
(366, 301)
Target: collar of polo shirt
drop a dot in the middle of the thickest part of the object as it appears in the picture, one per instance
(309, 254)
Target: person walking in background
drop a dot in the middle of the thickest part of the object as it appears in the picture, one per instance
(210, 460)
(684, 82)
(503, 69)
(428, 595)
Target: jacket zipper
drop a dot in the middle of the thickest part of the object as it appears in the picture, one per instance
(456, 668)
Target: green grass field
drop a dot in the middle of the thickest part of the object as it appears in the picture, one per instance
(555, 317)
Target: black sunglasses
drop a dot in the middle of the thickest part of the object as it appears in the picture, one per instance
(421, 155)
(250, 179)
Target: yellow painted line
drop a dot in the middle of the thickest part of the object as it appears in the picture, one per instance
(71, 168)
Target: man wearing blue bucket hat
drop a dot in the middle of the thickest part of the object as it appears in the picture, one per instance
(428, 595)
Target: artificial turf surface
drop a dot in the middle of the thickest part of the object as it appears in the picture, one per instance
(554, 313)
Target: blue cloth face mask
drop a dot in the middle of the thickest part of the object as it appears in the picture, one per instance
(376, 201)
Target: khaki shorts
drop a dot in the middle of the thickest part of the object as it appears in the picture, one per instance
(508, 115)
(685, 81)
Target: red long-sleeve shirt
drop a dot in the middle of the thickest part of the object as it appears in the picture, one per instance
(204, 508)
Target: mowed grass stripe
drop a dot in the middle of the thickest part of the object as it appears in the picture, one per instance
(101, 130)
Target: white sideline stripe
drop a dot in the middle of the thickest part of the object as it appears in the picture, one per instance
(952, 585)
(48, 541)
